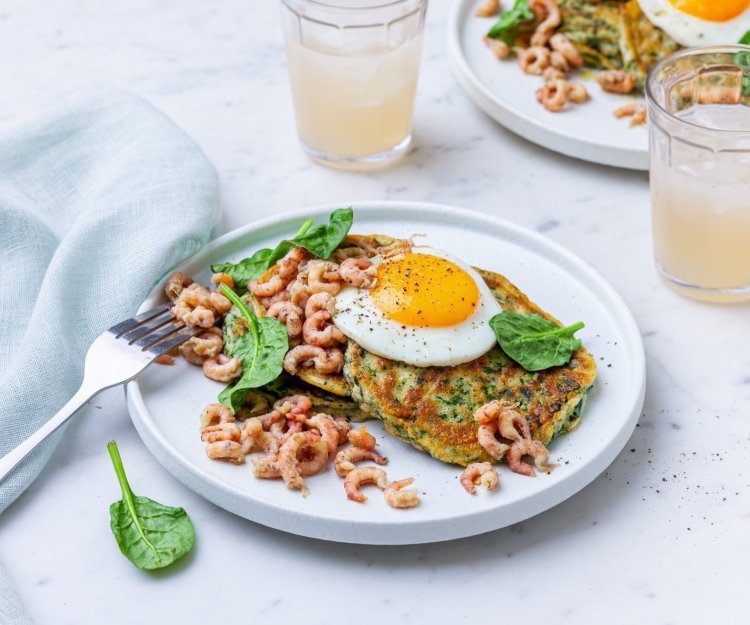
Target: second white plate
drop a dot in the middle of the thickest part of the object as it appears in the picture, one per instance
(165, 402)
(500, 89)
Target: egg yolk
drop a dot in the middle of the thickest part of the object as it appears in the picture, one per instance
(712, 10)
(426, 291)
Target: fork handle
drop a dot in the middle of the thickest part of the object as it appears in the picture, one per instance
(11, 460)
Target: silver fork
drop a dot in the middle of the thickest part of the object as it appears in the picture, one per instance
(116, 357)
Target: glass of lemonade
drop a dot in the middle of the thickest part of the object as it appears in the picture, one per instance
(699, 119)
(353, 67)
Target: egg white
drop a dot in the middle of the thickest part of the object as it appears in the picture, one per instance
(361, 321)
(688, 30)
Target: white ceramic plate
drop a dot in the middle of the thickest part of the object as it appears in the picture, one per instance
(165, 402)
(500, 89)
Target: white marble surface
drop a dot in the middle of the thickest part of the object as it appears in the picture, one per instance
(662, 537)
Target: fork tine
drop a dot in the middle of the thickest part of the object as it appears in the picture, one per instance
(148, 327)
(175, 340)
(159, 334)
(134, 322)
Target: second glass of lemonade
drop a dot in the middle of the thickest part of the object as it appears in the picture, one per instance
(353, 67)
(699, 125)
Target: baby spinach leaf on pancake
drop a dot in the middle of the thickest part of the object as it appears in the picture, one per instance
(507, 26)
(534, 342)
(148, 533)
(321, 241)
(261, 351)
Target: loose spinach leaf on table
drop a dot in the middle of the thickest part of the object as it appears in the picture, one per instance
(321, 241)
(509, 23)
(261, 351)
(148, 533)
(534, 342)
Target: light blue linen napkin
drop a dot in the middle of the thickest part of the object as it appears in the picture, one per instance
(97, 202)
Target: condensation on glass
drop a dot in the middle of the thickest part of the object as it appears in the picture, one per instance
(699, 128)
(353, 67)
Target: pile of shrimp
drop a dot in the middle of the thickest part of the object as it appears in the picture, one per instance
(504, 434)
(295, 443)
(197, 305)
(301, 296)
(553, 56)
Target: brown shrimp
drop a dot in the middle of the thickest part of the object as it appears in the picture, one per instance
(616, 81)
(362, 438)
(560, 43)
(513, 425)
(359, 272)
(289, 465)
(207, 344)
(577, 93)
(320, 302)
(489, 412)
(499, 48)
(317, 330)
(325, 361)
(251, 435)
(488, 9)
(344, 427)
(289, 314)
(479, 474)
(223, 278)
(396, 497)
(328, 431)
(553, 95)
(346, 459)
(226, 450)
(198, 316)
(299, 294)
(214, 414)
(293, 406)
(549, 13)
(175, 283)
(361, 476)
(528, 447)
(636, 112)
(222, 368)
(323, 276)
(286, 273)
(534, 60)
(488, 441)
(221, 432)
(343, 253)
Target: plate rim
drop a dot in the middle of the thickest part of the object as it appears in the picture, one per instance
(387, 532)
(518, 122)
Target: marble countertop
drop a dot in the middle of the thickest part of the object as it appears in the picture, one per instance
(662, 536)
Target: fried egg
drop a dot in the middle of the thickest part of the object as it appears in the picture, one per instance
(698, 22)
(426, 309)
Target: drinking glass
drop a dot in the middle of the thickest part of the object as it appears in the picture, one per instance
(353, 67)
(699, 128)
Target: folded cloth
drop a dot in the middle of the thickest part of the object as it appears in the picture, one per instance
(97, 202)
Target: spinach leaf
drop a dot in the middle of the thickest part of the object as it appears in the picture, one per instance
(261, 351)
(745, 39)
(320, 240)
(507, 26)
(534, 342)
(149, 534)
(253, 267)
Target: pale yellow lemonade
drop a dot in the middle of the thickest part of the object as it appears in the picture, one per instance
(354, 106)
(701, 210)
